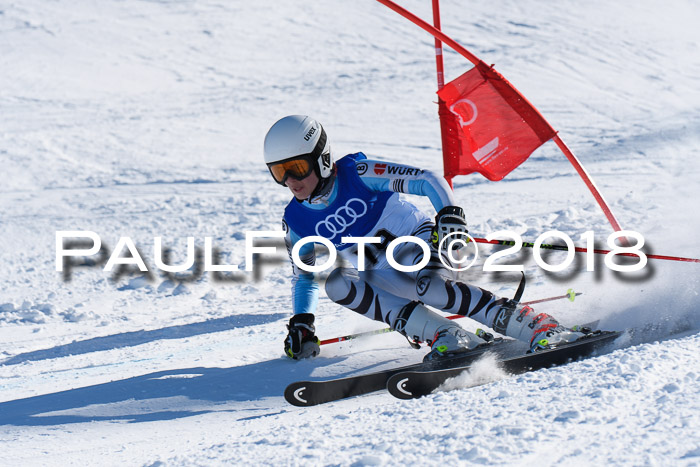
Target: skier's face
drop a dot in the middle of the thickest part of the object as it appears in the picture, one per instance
(302, 189)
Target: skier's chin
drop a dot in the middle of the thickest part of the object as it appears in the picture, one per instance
(299, 195)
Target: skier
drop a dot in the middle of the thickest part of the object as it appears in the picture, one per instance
(358, 197)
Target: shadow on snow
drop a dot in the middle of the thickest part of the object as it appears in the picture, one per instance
(164, 395)
(131, 339)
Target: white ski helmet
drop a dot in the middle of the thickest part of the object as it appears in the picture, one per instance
(295, 146)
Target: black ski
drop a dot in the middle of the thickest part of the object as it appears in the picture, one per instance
(308, 393)
(411, 384)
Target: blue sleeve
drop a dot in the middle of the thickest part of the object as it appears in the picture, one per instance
(304, 285)
(386, 176)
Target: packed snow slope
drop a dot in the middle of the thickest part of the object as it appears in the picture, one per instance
(145, 119)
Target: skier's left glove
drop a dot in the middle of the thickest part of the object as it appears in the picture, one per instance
(449, 220)
(301, 342)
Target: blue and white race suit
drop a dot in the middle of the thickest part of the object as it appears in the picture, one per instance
(364, 202)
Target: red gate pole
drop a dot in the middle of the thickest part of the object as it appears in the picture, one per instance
(591, 186)
(578, 249)
(438, 46)
(432, 30)
(442, 108)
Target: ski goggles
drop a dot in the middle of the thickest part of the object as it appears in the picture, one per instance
(298, 167)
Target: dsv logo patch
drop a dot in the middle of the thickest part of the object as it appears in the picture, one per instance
(343, 218)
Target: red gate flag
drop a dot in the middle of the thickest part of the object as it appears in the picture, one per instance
(487, 125)
(454, 132)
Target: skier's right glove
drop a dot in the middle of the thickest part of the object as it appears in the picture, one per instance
(449, 220)
(301, 342)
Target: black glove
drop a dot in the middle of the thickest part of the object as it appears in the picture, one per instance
(450, 219)
(301, 342)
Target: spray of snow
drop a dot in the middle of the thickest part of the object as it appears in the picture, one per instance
(657, 310)
(484, 370)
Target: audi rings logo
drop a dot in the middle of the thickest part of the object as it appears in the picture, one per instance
(344, 217)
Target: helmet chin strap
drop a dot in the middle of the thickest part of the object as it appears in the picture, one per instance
(324, 185)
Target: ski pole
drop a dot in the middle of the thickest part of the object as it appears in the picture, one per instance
(570, 294)
(583, 250)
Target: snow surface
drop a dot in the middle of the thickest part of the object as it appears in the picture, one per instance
(146, 118)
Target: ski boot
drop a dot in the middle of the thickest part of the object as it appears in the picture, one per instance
(452, 340)
(446, 338)
(539, 330)
(552, 337)
(301, 341)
